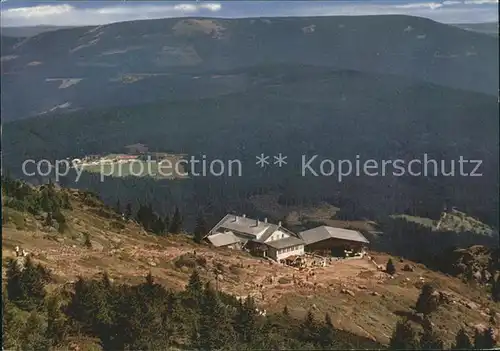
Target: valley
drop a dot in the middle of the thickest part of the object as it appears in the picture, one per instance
(360, 298)
(184, 218)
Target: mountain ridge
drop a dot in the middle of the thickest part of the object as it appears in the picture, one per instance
(96, 57)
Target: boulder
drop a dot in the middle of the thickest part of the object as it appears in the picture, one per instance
(408, 268)
(347, 292)
(472, 305)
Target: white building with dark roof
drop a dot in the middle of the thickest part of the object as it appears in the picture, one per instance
(260, 237)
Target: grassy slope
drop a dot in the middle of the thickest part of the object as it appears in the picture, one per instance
(129, 253)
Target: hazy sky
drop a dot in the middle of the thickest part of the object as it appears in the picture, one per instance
(22, 13)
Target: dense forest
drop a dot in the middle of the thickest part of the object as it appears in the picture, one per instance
(147, 316)
(341, 114)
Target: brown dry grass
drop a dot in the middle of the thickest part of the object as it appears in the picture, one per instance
(129, 254)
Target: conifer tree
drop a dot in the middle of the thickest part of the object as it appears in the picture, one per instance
(215, 328)
(176, 223)
(495, 289)
(26, 287)
(430, 340)
(462, 341)
(245, 321)
(128, 212)
(403, 337)
(13, 275)
(87, 243)
(56, 321)
(158, 226)
(485, 339)
(11, 326)
(89, 306)
(33, 334)
(200, 229)
(286, 313)
(309, 329)
(48, 220)
(327, 336)
(427, 301)
(390, 268)
(194, 288)
(166, 221)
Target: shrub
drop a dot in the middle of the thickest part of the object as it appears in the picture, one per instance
(390, 268)
(187, 260)
(427, 301)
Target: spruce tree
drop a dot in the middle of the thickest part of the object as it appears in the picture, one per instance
(176, 223)
(48, 220)
(90, 307)
(166, 221)
(11, 324)
(215, 329)
(327, 335)
(245, 321)
(13, 275)
(158, 226)
(286, 313)
(118, 207)
(56, 322)
(87, 243)
(194, 288)
(200, 229)
(128, 212)
(495, 289)
(485, 339)
(430, 340)
(33, 334)
(403, 337)
(427, 301)
(26, 287)
(462, 341)
(390, 268)
(309, 330)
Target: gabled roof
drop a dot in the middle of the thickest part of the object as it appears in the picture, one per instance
(223, 239)
(325, 232)
(245, 225)
(286, 242)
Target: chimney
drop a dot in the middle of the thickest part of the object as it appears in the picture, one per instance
(279, 224)
(244, 216)
(256, 222)
(265, 220)
(235, 219)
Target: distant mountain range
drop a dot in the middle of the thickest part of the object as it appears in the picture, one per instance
(126, 63)
(488, 28)
(29, 31)
(383, 87)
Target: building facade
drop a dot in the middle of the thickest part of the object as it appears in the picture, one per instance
(261, 238)
(265, 239)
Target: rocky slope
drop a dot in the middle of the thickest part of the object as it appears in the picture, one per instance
(359, 297)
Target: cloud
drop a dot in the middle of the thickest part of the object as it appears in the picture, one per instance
(65, 14)
(420, 5)
(82, 13)
(480, 2)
